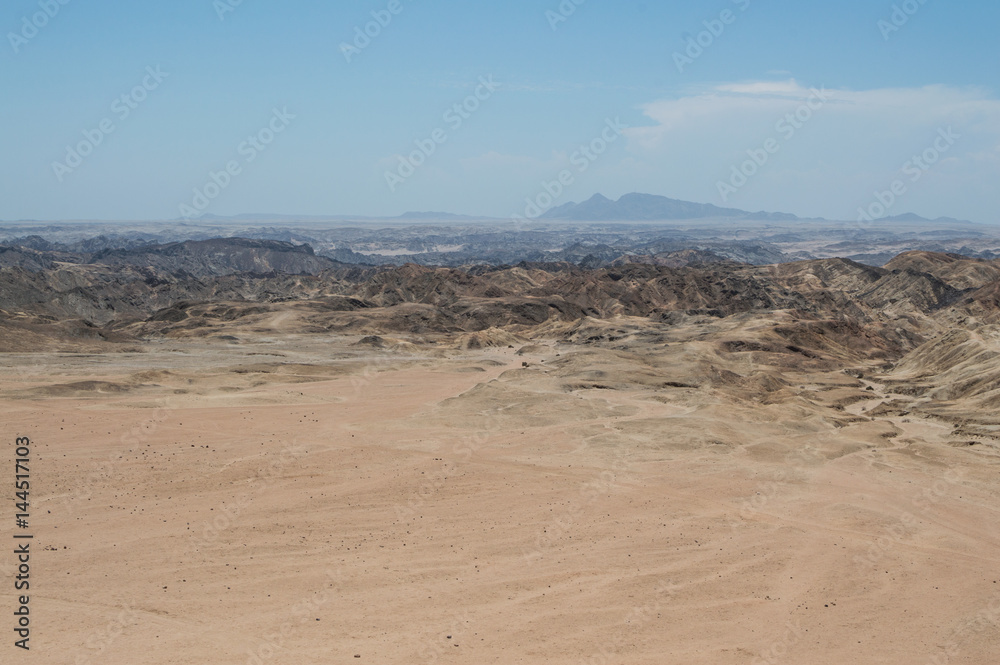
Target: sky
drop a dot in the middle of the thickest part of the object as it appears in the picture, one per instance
(151, 110)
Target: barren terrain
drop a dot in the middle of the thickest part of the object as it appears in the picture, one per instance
(790, 464)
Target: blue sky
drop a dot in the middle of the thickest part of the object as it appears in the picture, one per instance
(232, 78)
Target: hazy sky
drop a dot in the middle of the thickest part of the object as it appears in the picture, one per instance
(122, 110)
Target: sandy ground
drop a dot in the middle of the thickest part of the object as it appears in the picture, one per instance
(317, 502)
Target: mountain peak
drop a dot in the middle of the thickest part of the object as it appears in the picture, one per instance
(913, 217)
(430, 215)
(648, 207)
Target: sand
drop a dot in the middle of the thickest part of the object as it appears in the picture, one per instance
(306, 499)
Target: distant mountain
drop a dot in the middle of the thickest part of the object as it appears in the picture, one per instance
(911, 217)
(649, 207)
(432, 215)
(261, 217)
(285, 218)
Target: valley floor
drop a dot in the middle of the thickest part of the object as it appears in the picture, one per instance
(306, 499)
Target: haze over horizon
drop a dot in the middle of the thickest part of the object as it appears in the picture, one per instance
(834, 106)
(654, 210)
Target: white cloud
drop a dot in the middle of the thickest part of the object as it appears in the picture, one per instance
(831, 158)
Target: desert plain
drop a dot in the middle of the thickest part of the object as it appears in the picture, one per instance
(288, 482)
